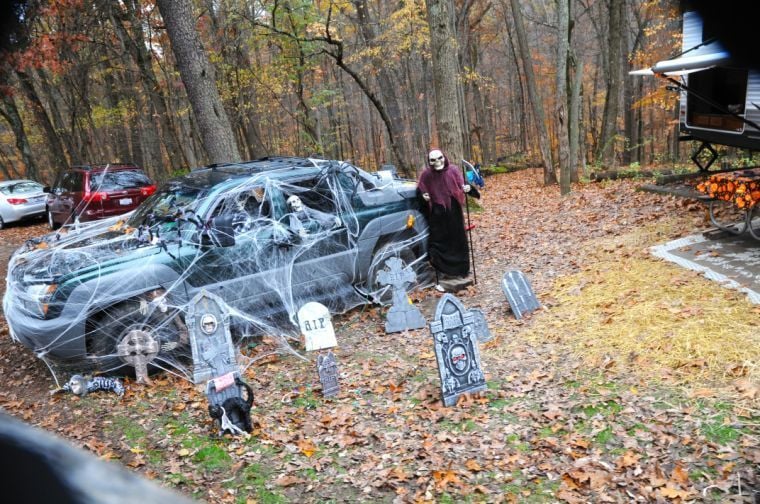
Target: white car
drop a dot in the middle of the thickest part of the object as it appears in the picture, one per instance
(20, 199)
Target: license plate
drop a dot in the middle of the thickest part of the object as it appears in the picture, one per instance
(125, 201)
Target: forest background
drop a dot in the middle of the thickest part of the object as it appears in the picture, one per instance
(171, 85)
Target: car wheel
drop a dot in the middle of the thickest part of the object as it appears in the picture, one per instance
(2, 222)
(51, 222)
(378, 292)
(137, 336)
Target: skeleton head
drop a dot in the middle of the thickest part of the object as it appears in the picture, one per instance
(208, 323)
(78, 385)
(294, 203)
(436, 160)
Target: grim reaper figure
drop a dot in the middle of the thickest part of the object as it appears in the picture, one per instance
(442, 187)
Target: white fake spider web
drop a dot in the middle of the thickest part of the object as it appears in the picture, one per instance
(87, 297)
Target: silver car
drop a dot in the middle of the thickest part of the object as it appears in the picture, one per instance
(20, 199)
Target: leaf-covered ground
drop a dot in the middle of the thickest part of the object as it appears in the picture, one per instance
(577, 409)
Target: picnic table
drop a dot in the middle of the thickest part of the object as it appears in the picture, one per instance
(740, 189)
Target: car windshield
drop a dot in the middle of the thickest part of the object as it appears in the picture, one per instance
(167, 202)
(21, 188)
(117, 180)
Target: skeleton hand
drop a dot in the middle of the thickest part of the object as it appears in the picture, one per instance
(426, 196)
(302, 232)
(466, 188)
(338, 222)
(169, 346)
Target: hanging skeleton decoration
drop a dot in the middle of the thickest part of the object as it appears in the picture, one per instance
(82, 385)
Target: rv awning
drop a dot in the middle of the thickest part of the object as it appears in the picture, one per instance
(685, 64)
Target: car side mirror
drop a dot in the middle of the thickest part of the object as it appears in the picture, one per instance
(46, 189)
(220, 233)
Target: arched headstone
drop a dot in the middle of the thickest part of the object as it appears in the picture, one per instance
(456, 350)
(316, 325)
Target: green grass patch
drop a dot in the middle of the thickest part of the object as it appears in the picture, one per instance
(307, 400)
(604, 436)
(212, 457)
(720, 433)
(253, 482)
(129, 429)
(605, 409)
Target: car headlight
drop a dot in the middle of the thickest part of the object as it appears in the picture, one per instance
(38, 297)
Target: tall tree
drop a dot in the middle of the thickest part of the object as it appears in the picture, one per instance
(561, 112)
(198, 75)
(9, 112)
(615, 27)
(535, 99)
(446, 78)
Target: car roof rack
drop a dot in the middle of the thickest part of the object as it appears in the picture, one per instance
(94, 166)
(267, 163)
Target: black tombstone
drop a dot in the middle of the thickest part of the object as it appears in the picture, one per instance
(456, 350)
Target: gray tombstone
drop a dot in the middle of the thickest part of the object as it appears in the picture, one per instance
(481, 325)
(456, 350)
(402, 315)
(519, 293)
(214, 362)
(208, 324)
(327, 367)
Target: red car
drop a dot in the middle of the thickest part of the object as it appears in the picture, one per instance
(86, 193)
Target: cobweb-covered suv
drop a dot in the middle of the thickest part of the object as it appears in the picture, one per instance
(89, 297)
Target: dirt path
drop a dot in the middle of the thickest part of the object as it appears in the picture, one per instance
(551, 426)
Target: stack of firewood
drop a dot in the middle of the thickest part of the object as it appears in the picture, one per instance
(740, 187)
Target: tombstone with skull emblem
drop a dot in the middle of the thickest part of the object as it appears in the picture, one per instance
(456, 350)
(214, 362)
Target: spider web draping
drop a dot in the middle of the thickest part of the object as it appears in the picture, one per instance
(123, 285)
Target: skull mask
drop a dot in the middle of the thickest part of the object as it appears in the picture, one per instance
(436, 160)
(294, 203)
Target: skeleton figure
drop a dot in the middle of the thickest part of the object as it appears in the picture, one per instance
(82, 385)
(442, 189)
(305, 221)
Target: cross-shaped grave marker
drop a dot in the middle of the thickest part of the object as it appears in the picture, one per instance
(403, 315)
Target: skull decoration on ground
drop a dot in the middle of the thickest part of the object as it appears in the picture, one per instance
(113, 295)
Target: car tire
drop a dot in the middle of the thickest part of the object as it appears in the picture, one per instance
(2, 222)
(51, 222)
(377, 292)
(136, 320)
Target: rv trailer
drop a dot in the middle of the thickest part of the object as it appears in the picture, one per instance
(720, 100)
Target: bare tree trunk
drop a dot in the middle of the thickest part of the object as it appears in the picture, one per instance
(56, 153)
(574, 130)
(563, 46)
(443, 48)
(66, 134)
(199, 78)
(388, 91)
(9, 112)
(606, 148)
(550, 176)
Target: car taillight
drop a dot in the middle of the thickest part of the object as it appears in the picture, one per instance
(96, 196)
(148, 190)
(16, 201)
